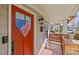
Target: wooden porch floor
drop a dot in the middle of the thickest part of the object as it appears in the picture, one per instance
(71, 49)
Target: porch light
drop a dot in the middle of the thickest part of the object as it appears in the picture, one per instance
(41, 20)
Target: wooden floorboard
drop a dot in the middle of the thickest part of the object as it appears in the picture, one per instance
(72, 49)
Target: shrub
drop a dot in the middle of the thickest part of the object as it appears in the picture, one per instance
(76, 36)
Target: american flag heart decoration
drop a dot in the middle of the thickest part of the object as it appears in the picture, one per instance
(23, 23)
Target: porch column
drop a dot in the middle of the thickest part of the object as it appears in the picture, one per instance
(64, 26)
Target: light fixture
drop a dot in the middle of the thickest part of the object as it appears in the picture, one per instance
(41, 20)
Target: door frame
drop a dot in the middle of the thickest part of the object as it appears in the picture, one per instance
(9, 25)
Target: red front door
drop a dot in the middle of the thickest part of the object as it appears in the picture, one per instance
(22, 31)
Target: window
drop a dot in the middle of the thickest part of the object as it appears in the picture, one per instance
(23, 23)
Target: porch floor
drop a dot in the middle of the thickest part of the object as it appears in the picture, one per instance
(71, 49)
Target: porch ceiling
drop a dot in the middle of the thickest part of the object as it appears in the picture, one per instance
(54, 12)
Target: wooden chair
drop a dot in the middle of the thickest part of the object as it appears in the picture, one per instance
(56, 42)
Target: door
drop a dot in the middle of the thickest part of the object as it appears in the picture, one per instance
(22, 31)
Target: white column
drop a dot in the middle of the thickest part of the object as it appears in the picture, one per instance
(64, 26)
(9, 30)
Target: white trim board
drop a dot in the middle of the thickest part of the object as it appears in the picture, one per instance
(9, 30)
